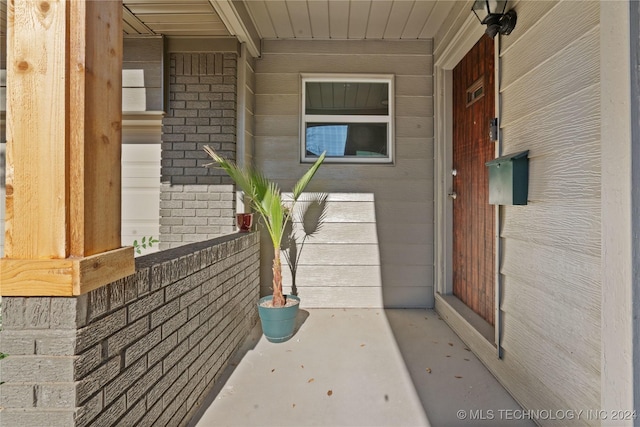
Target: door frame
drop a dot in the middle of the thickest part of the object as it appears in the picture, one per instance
(467, 36)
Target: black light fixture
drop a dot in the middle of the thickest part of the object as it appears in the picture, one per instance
(491, 13)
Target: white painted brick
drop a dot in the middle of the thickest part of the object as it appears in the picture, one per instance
(36, 369)
(17, 396)
(68, 313)
(50, 418)
(56, 395)
(37, 312)
(18, 342)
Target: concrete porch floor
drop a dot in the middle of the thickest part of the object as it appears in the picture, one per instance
(359, 367)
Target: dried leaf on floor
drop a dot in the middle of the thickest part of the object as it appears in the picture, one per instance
(330, 392)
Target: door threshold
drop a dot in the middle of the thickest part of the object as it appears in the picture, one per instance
(476, 332)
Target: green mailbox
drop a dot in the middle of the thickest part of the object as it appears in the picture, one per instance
(509, 179)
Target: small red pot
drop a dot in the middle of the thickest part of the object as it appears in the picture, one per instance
(244, 222)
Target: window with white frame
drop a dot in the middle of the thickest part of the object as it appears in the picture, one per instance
(348, 116)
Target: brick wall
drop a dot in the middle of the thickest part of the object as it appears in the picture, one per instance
(197, 203)
(140, 351)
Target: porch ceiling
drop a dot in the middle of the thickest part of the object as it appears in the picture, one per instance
(347, 19)
(253, 20)
(283, 19)
(172, 18)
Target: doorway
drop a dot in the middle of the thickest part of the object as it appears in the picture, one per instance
(473, 226)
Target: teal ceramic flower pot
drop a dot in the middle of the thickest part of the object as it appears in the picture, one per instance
(278, 323)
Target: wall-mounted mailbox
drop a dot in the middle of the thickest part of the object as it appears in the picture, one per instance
(509, 179)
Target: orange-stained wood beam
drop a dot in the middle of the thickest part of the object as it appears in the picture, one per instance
(36, 187)
(64, 277)
(64, 97)
(95, 117)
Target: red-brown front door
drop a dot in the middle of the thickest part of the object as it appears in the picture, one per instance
(473, 216)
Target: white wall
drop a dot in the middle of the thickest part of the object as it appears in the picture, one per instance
(550, 91)
(142, 104)
(141, 179)
(380, 229)
(550, 259)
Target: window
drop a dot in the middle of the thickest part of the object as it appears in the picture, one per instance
(349, 117)
(475, 91)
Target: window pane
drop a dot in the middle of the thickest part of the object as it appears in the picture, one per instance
(326, 137)
(347, 98)
(353, 140)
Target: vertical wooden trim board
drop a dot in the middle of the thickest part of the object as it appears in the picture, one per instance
(37, 190)
(63, 148)
(620, 354)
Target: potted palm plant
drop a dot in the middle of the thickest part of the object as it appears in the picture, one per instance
(277, 311)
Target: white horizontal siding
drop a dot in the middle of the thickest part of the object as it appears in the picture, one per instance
(141, 187)
(142, 99)
(249, 108)
(551, 248)
(142, 74)
(550, 257)
(578, 67)
(377, 247)
(544, 45)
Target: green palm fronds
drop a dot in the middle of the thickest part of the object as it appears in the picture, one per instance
(266, 200)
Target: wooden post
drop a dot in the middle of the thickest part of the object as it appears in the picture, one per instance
(64, 90)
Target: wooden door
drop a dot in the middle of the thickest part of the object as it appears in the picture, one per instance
(473, 216)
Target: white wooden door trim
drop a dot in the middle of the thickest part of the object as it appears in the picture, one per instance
(469, 34)
(620, 347)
